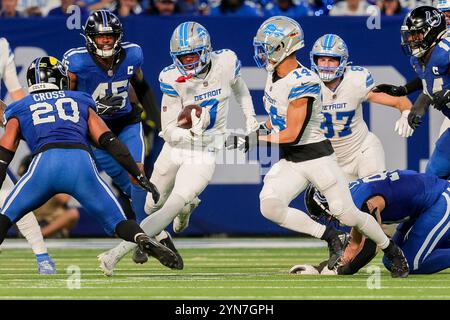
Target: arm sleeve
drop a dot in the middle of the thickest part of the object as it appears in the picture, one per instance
(414, 85)
(421, 104)
(243, 97)
(10, 73)
(367, 253)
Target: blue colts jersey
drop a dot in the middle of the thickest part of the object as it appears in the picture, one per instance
(435, 74)
(407, 193)
(53, 118)
(93, 79)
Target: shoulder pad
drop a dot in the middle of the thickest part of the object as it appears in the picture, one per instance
(74, 59)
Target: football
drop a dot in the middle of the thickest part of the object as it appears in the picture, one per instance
(184, 118)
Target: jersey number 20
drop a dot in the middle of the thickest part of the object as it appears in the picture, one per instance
(42, 112)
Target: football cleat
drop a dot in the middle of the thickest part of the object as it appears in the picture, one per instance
(304, 269)
(157, 250)
(139, 256)
(181, 221)
(168, 242)
(398, 264)
(108, 261)
(336, 247)
(45, 264)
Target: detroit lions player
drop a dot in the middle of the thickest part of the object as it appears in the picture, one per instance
(292, 97)
(106, 68)
(28, 225)
(424, 38)
(420, 202)
(186, 163)
(57, 124)
(359, 152)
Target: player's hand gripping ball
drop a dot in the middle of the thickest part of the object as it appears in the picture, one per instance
(184, 118)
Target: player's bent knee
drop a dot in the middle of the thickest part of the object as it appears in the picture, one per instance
(273, 209)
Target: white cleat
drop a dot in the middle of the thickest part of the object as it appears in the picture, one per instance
(181, 221)
(108, 261)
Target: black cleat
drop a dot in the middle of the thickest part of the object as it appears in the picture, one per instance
(139, 256)
(169, 244)
(336, 247)
(155, 249)
(399, 264)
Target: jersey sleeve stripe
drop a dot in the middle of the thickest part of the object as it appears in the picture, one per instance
(369, 80)
(298, 91)
(168, 90)
(237, 69)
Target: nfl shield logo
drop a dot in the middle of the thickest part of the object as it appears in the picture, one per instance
(164, 108)
(205, 84)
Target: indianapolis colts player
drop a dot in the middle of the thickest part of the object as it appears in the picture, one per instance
(206, 78)
(28, 225)
(420, 202)
(56, 124)
(424, 39)
(359, 152)
(292, 98)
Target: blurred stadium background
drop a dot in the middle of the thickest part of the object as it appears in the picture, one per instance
(230, 205)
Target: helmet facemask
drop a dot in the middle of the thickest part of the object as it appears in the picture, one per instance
(327, 74)
(195, 67)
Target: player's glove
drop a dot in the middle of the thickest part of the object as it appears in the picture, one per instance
(441, 99)
(242, 142)
(396, 91)
(251, 124)
(402, 127)
(199, 124)
(109, 105)
(147, 185)
(414, 120)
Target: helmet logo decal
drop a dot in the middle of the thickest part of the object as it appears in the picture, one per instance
(434, 20)
(272, 30)
(201, 32)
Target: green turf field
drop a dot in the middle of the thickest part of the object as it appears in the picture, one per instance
(208, 274)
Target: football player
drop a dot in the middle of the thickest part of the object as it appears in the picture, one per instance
(359, 152)
(57, 124)
(105, 69)
(424, 39)
(292, 97)
(419, 201)
(28, 225)
(207, 79)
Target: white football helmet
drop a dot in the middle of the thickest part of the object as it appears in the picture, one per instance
(329, 45)
(304, 269)
(276, 39)
(190, 37)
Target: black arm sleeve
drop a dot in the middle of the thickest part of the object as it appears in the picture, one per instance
(6, 157)
(421, 105)
(367, 253)
(147, 99)
(414, 85)
(120, 152)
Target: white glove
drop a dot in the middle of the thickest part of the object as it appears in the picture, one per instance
(328, 272)
(304, 269)
(251, 125)
(199, 124)
(402, 126)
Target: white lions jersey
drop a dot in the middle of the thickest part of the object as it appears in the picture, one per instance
(344, 124)
(299, 83)
(213, 92)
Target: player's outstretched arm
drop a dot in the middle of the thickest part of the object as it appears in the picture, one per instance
(398, 91)
(298, 115)
(8, 145)
(403, 104)
(101, 135)
(418, 110)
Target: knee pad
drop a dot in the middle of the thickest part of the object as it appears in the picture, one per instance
(273, 209)
(347, 215)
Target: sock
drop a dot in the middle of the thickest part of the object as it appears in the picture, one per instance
(122, 249)
(30, 229)
(299, 221)
(127, 230)
(161, 236)
(5, 224)
(368, 226)
(42, 257)
(138, 196)
(159, 220)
